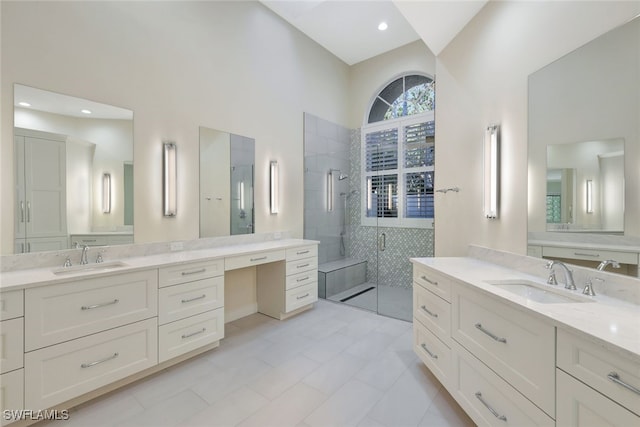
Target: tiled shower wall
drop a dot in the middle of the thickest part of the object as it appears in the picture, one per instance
(392, 266)
(326, 146)
(331, 146)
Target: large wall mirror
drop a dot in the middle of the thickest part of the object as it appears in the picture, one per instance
(73, 170)
(227, 163)
(584, 147)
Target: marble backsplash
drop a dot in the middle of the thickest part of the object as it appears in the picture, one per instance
(625, 288)
(588, 238)
(110, 253)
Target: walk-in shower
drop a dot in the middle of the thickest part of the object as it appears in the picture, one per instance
(353, 267)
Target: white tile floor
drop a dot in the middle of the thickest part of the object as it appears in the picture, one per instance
(392, 301)
(331, 366)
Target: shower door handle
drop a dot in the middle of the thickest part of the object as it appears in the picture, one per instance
(383, 242)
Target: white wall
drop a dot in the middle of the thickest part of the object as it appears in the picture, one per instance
(233, 66)
(481, 79)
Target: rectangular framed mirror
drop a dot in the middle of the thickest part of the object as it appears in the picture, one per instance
(227, 164)
(64, 147)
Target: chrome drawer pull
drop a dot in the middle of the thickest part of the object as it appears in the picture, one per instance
(613, 376)
(303, 265)
(21, 211)
(303, 279)
(302, 252)
(584, 254)
(97, 362)
(91, 307)
(493, 411)
(424, 347)
(429, 281)
(184, 301)
(194, 333)
(188, 273)
(258, 259)
(428, 312)
(495, 337)
(303, 296)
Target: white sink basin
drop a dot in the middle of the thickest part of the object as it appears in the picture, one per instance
(544, 294)
(89, 268)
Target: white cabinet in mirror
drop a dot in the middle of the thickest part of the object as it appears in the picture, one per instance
(63, 148)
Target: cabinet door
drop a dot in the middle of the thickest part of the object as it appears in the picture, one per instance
(20, 204)
(580, 405)
(45, 184)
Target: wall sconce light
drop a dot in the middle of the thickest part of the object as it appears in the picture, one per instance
(274, 184)
(106, 193)
(241, 194)
(589, 196)
(491, 171)
(169, 179)
(330, 191)
(369, 194)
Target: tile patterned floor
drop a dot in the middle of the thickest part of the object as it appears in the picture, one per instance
(331, 366)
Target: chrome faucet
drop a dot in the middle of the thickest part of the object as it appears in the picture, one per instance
(604, 264)
(567, 274)
(84, 259)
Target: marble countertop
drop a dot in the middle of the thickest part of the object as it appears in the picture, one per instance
(29, 278)
(611, 322)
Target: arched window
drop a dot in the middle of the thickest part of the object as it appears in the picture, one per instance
(408, 95)
(398, 155)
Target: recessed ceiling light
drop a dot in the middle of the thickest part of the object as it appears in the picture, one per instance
(383, 26)
(24, 104)
(85, 111)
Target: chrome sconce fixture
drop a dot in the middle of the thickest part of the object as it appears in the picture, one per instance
(589, 195)
(169, 179)
(106, 193)
(492, 171)
(274, 184)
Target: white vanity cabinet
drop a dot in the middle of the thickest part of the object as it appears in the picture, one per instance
(581, 406)
(191, 307)
(514, 365)
(432, 321)
(84, 334)
(11, 351)
(584, 366)
(300, 290)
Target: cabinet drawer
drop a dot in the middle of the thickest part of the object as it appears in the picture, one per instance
(241, 261)
(433, 312)
(590, 254)
(189, 272)
(582, 406)
(488, 399)
(88, 240)
(301, 252)
(180, 301)
(70, 310)
(11, 305)
(433, 352)
(301, 296)
(600, 368)
(11, 392)
(11, 344)
(437, 283)
(64, 371)
(302, 265)
(518, 347)
(189, 334)
(295, 280)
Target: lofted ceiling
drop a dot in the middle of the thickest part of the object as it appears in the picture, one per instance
(349, 29)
